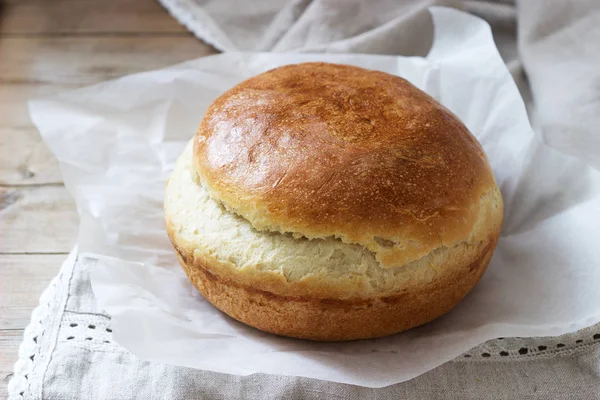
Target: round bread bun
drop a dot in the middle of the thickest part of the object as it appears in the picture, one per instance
(331, 202)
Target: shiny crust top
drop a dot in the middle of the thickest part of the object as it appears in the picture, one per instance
(324, 150)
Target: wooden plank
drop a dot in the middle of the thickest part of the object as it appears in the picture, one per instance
(9, 350)
(72, 60)
(13, 99)
(75, 17)
(46, 47)
(25, 159)
(23, 278)
(37, 220)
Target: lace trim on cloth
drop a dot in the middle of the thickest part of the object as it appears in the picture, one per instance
(525, 348)
(38, 342)
(87, 330)
(54, 323)
(199, 23)
(94, 330)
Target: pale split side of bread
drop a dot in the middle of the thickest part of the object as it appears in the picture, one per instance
(330, 202)
(321, 289)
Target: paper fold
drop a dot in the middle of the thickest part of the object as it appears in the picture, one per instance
(117, 142)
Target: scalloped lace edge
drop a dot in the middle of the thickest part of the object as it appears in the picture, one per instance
(30, 346)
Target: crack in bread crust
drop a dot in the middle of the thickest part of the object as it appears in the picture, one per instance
(330, 202)
(325, 150)
(358, 301)
(210, 228)
(327, 319)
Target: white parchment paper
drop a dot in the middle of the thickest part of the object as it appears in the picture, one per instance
(117, 142)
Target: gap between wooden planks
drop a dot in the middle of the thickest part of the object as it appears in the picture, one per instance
(38, 66)
(9, 349)
(86, 60)
(36, 272)
(46, 47)
(39, 219)
(18, 297)
(81, 17)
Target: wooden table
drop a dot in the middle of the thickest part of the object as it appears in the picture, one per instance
(45, 47)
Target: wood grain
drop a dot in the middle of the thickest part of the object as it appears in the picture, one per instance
(46, 47)
(78, 62)
(9, 349)
(22, 280)
(14, 97)
(74, 60)
(76, 17)
(25, 159)
(37, 220)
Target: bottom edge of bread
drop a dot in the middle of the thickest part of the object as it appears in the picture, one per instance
(338, 319)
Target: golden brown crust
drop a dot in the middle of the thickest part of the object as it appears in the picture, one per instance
(332, 318)
(331, 150)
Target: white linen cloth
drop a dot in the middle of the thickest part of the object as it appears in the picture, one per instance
(67, 350)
